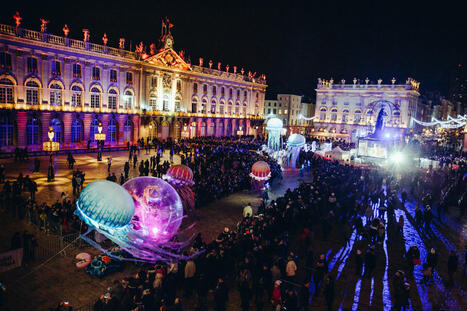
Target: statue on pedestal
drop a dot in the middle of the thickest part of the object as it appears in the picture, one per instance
(105, 39)
(379, 126)
(66, 30)
(44, 23)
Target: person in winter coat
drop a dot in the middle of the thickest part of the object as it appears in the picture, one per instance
(291, 301)
(190, 270)
(432, 258)
(276, 299)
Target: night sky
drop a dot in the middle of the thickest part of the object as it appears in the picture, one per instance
(292, 42)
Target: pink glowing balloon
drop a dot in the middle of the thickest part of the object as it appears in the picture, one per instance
(158, 209)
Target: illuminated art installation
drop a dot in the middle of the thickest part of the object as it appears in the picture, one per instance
(181, 178)
(142, 217)
(295, 144)
(260, 172)
(274, 128)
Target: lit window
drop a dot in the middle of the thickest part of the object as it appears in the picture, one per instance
(195, 87)
(6, 131)
(93, 129)
(32, 132)
(113, 99)
(128, 100)
(112, 130)
(194, 105)
(153, 102)
(57, 128)
(55, 95)
(6, 91)
(76, 131)
(32, 93)
(95, 98)
(76, 95)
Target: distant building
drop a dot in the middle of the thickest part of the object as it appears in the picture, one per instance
(348, 111)
(291, 110)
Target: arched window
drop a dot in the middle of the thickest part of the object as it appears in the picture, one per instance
(195, 87)
(55, 95)
(357, 116)
(32, 93)
(194, 105)
(213, 106)
(203, 105)
(113, 99)
(334, 114)
(76, 131)
(345, 115)
(178, 104)
(6, 91)
(76, 95)
(214, 90)
(95, 98)
(322, 114)
(237, 110)
(32, 132)
(112, 130)
(221, 107)
(6, 132)
(153, 101)
(165, 103)
(128, 130)
(128, 100)
(93, 129)
(57, 128)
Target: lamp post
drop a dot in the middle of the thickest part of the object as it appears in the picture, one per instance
(50, 146)
(100, 138)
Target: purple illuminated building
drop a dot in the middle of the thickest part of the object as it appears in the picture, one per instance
(72, 85)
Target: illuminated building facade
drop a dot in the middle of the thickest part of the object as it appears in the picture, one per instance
(291, 110)
(72, 85)
(348, 111)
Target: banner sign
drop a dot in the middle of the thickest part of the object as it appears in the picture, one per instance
(10, 260)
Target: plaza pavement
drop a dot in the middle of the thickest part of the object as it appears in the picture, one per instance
(46, 281)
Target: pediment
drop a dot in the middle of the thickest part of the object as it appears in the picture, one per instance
(168, 58)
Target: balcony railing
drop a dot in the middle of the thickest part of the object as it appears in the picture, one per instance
(63, 41)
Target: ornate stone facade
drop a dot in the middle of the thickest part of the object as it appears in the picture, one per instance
(347, 111)
(72, 85)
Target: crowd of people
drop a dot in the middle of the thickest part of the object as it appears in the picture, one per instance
(276, 255)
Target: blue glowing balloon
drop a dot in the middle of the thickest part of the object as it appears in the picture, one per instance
(105, 203)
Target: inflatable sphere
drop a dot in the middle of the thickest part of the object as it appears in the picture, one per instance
(179, 174)
(158, 208)
(260, 171)
(296, 140)
(105, 203)
(274, 123)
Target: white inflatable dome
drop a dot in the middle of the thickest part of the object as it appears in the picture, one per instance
(274, 123)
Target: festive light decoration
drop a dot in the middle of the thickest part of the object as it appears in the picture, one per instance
(274, 128)
(450, 123)
(295, 143)
(181, 178)
(142, 217)
(301, 116)
(260, 171)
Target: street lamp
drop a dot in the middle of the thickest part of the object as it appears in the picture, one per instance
(50, 146)
(100, 138)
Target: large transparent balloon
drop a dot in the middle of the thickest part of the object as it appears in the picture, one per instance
(142, 217)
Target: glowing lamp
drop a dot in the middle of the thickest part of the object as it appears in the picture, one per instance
(51, 133)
